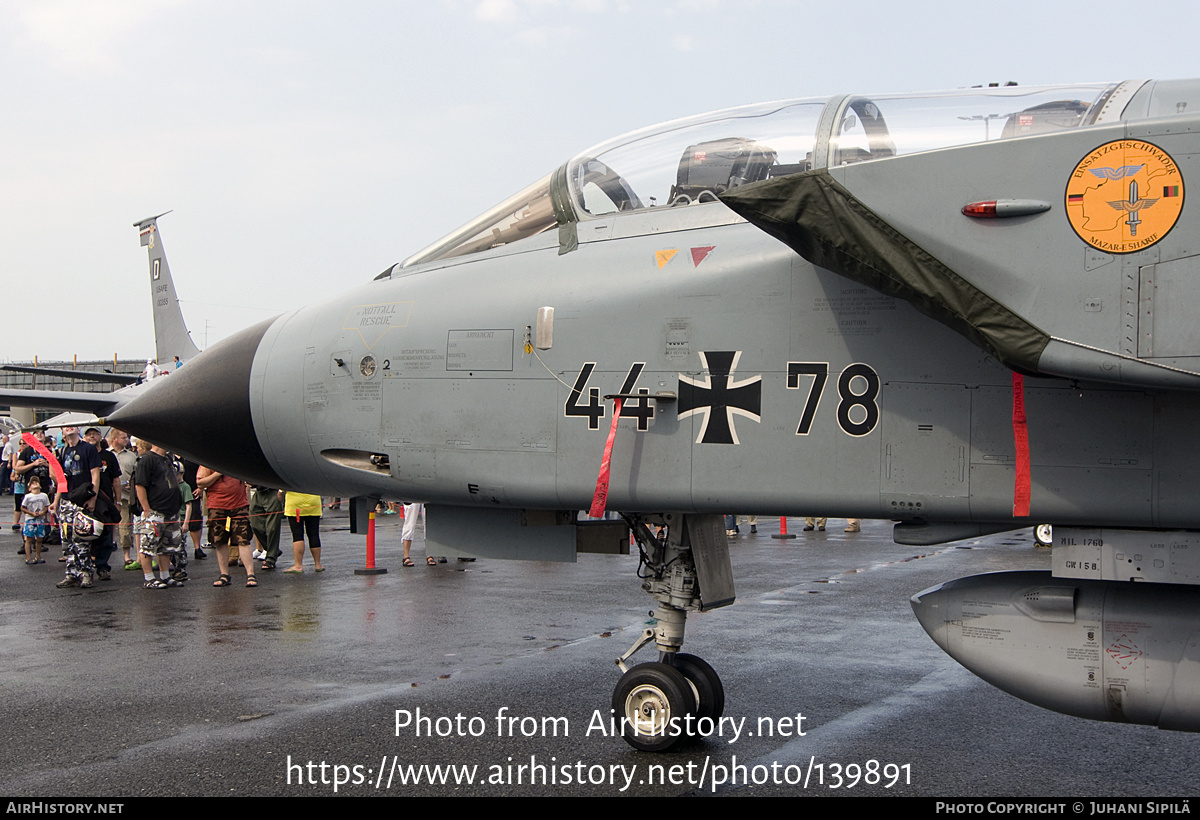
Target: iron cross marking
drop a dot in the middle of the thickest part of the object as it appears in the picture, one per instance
(717, 397)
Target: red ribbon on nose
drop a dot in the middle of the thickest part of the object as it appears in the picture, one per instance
(600, 499)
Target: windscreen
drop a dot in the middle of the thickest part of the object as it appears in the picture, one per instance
(689, 162)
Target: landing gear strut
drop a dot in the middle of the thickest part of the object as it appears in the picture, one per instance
(685, 567)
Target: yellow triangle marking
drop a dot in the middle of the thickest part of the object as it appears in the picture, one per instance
(663, 257)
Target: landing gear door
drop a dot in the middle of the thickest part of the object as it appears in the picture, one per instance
(710, 552)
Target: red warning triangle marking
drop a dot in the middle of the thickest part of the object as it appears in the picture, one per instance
(698, 254)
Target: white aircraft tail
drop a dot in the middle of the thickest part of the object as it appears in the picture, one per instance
(171, 336)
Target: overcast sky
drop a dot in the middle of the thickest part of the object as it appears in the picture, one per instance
(306, 146)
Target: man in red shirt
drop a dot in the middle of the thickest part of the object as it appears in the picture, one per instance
(228, 521)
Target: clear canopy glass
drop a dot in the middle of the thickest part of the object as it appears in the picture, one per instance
(891, 124)
(692, 161)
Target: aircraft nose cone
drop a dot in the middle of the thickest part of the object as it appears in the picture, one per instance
(202, 410)
(930, 608)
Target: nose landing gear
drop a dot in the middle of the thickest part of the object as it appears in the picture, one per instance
(685, 568)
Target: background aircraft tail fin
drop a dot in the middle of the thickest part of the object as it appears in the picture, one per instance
(171, 337)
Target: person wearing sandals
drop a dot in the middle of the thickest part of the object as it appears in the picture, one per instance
(411, 513)
(228, 521)
(158, 493)
(303, 514)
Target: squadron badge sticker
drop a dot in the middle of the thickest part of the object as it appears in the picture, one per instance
(1124, 196)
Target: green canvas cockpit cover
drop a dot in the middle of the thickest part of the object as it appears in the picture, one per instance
(823, 222)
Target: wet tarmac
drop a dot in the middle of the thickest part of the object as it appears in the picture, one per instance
(296, 687)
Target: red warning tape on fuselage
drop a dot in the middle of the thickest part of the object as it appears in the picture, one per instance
(1021, 490)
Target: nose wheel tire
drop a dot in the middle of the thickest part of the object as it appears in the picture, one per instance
(653, 700)
(705, 685)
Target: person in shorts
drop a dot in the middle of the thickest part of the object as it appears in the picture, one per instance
(228, 521)
(157, 526)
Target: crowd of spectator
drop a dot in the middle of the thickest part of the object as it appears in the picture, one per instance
(93, 495)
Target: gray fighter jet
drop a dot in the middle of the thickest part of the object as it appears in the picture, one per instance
(967, 311)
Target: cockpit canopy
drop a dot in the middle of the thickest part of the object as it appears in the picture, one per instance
(690, 162)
